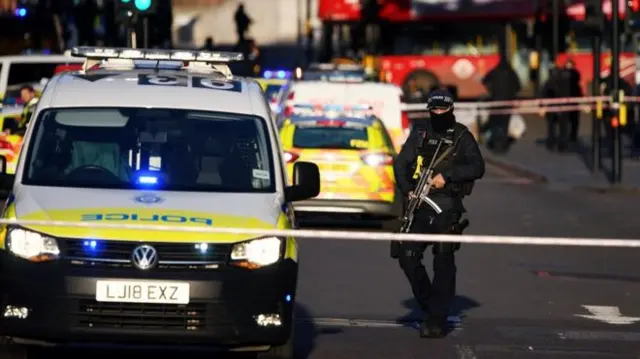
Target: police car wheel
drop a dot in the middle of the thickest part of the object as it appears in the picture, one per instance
(285, 351)
(10, 350)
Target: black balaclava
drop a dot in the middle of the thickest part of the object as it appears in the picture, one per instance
(441, 122)
(442, 99)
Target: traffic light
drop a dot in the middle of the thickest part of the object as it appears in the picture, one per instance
(594, 16)
(544, 24)
(633, 15)
(141, 7)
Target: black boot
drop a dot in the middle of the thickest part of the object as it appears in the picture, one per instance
(434, 328)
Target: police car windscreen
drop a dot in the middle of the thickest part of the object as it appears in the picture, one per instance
(330, 137)
(132, 148)
(271, 92)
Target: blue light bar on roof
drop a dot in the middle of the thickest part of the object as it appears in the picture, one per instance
(333, 107)
(309, 113)
(20, 12)
(155, 54)
(354, 108)
(277, 74)
(296, 119)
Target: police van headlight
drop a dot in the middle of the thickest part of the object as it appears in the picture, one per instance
(31, 245)
(257, 253)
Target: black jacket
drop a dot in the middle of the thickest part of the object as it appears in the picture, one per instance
(502, 82)
(562, 83)
(468, 165)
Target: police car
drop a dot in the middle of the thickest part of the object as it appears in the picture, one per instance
(354, 153)
(151, 137)
(272, 82)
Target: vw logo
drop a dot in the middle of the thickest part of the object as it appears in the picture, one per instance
(144, 257)
(148, 198)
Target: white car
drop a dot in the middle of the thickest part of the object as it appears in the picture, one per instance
(384, 98)
(140, 138)
(29, 69)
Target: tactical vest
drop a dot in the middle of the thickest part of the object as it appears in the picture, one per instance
(426, 149)
(27, 112)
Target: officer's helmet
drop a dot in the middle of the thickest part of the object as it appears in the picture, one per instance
(440, 100)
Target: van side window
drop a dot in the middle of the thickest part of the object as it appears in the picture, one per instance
(30, 72)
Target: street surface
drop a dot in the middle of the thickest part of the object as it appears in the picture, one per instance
(513, 301)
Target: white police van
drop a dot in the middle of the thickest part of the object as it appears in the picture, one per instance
(151, 137)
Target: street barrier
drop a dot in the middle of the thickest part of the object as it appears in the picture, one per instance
(530, 105)
(346, 235)
(528, 102)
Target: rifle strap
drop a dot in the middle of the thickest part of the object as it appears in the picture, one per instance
(442, 156)
(448, 150)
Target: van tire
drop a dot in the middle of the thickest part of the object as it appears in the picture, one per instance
(11, 350)
(285, 351)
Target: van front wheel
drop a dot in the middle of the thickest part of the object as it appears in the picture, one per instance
(11, 350)
(285, 351)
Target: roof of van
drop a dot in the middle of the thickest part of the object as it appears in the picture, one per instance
(41, 58)
(153, 88)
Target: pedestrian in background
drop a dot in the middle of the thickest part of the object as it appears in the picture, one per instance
(243, 21)
(575, 91)
(503, 84)
(559, 85)
(208, 44)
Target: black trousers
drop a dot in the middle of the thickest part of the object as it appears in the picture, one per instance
(574, 119)
(558, 129)
(498, 124)
(434, 297)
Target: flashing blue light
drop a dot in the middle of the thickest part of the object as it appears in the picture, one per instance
(287, 298)
(90, 246)
(21, 12)
(344, 119)
(147, 180)
(142, 5)
(202, 247)
(280, 74)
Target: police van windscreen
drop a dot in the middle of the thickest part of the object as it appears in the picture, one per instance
(330, 137)
(133, 148)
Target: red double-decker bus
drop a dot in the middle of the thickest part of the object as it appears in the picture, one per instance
(426, 43)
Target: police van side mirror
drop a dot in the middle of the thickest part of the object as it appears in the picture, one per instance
(306, 182)
(6, 179)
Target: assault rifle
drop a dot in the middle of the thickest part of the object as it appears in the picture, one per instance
(421, 193)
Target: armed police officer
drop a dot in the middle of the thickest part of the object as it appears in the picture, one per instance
(455, 163)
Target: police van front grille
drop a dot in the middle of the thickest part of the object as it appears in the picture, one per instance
(119, 254)
(93, 314)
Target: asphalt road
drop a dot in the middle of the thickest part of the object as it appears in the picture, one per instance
(513, 301)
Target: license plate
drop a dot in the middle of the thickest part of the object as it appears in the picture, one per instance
(330, 167)
(156, 292)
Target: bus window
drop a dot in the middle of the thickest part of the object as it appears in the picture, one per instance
(581, 43)
(469, 40)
